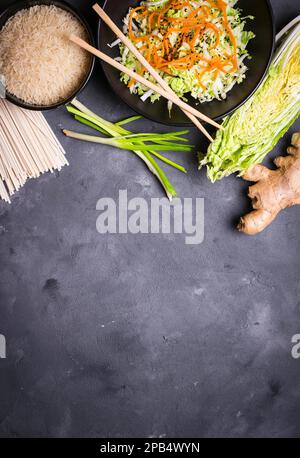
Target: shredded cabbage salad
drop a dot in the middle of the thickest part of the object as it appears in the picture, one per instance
(199, 47)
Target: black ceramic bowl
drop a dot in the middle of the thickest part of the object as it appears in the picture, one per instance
(11, 11)
(261, 49)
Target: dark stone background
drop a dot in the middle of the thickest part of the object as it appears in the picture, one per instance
(119, 336)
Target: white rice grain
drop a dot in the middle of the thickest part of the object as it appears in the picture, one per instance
(40, 64)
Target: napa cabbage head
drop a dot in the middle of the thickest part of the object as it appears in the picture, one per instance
(254, 129)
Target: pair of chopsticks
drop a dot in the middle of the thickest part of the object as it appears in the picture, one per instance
(163, 88)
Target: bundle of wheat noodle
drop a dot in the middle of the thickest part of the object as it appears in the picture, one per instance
(28, 148)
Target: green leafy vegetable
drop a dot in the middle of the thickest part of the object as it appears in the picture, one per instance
(144, 145)
(253, 130)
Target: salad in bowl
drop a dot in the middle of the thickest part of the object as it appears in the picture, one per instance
(198, 46)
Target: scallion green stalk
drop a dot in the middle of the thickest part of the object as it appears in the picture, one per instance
(144, 145)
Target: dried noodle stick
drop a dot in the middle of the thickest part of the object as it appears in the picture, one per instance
(28, 148)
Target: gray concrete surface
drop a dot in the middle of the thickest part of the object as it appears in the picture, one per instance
(139, 335)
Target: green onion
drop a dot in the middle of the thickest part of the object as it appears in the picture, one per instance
(121, 143)
(144, 145)
(128, 120)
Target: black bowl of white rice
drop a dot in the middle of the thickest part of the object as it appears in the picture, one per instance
(41, 68)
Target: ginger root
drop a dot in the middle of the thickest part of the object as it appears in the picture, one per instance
(274, 191)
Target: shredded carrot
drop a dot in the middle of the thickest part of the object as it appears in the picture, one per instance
(189, 29)
(150, 20)
(131, 83)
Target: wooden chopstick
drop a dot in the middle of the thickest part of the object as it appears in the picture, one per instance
(169, 96)
(153, 72)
